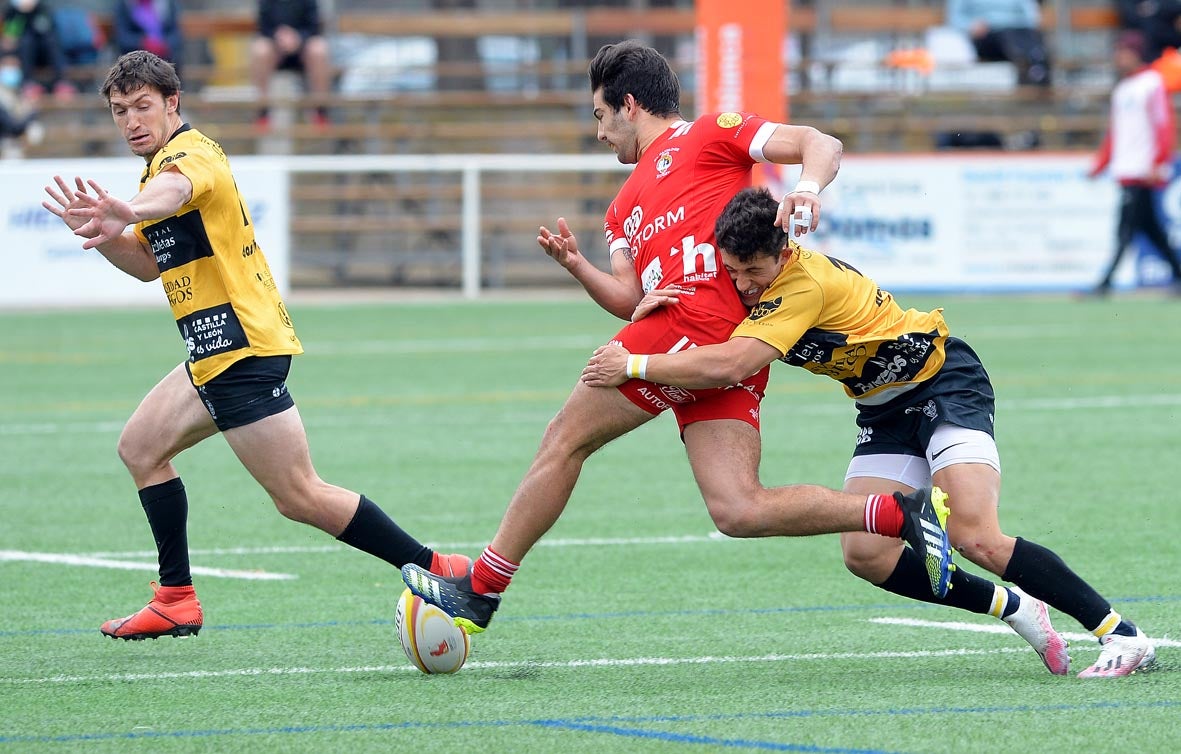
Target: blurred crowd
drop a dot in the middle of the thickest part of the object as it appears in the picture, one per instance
(51, 49)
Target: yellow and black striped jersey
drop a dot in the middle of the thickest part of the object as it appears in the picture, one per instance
(825, 316)
(223, 297)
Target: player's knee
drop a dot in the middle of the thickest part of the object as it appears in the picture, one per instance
(871, 564)
(136, 455)
(292, 508)
(735, 516)
(306, 499)
(990, 550)
(562, 437)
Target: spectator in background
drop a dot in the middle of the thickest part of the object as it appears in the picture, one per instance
(1158, 20)
(31, 31)
(1005, 30)
(289, 38)
(152, 25)
(18, 119)
(1138, 149)
(80, 35)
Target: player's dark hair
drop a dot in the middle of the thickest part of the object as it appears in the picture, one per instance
(138, 69)
(746, 228)
(634, 68)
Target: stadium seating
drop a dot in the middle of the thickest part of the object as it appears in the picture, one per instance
(514, 99)
(871, 106)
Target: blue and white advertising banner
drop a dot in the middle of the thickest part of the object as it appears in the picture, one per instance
(44, 264)
(969, 222)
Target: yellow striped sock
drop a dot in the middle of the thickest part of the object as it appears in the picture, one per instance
(1108, 625)
(1000, 600)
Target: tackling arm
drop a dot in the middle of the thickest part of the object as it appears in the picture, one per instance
(716, 365)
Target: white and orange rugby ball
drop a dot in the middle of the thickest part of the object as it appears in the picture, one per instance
(431, 640)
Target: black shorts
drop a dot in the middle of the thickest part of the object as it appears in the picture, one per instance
(250, 389)
(960, 393)
(292, 62)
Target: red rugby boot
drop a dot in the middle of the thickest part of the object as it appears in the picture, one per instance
(173, 611)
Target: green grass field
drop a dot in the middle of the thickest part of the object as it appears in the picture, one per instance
(632, 627)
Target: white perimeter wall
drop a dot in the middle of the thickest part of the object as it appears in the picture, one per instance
(948, 221)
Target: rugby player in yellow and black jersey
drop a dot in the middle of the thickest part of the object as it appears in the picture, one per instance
(925, 415)
(191, 229)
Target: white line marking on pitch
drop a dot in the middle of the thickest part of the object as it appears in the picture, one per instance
(995, 628)
(560, 665)
(94, 562)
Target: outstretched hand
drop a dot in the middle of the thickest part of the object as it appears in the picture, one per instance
(104, 216)
(66, 199)
(561, 247)
(607, 367)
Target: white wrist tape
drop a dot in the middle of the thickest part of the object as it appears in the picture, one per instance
(637, 366)
(811, 187)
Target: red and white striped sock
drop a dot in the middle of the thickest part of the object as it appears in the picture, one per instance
(883, 516)
(492, 573)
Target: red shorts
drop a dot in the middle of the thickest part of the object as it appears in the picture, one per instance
(661, 333)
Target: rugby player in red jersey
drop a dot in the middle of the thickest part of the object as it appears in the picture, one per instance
(660, 232)
(925, 408)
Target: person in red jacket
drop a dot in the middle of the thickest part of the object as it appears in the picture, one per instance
(1138, 150)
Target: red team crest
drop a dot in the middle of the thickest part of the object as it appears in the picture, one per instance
(664, 161)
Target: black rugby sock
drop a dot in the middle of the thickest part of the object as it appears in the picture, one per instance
(167, 508)
(372, 531)
(968, 591)
(1043, 574)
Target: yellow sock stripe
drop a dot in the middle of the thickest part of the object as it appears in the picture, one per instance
(1108, 625)
(1000, 598)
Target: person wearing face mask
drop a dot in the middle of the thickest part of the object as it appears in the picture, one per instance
(17, 118)
(30, 30)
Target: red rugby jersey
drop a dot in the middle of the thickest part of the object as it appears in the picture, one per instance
(667, 208)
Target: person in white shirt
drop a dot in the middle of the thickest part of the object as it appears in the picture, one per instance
(1138, 151)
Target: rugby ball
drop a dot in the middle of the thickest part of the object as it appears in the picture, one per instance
(431, 640)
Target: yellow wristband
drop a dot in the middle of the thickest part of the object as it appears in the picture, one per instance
(637, 366)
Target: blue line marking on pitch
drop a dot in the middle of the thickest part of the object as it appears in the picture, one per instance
(612, 725)
(681, 738)
(562, 617)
